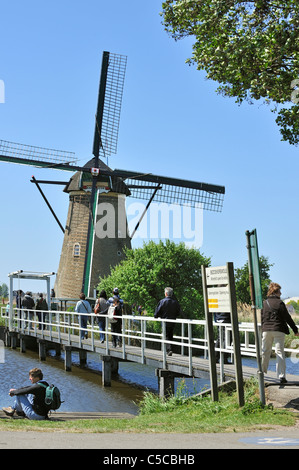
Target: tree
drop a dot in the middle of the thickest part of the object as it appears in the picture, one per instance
(249, 47)
(144, 274)
(4, 290)
(242, 280)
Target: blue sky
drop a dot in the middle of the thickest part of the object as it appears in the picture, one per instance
(172, 123)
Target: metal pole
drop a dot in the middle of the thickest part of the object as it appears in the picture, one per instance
(260, 373)
(145, 210)
(211, 344)
(10, 323)
(235, 331)
(33, 180)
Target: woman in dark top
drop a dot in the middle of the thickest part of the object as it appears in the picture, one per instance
(30, 401)
(116, 327)
(275, 321)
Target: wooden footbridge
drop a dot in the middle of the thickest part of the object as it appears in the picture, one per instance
(60, 330)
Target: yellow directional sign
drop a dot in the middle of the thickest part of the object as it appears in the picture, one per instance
(218, 299)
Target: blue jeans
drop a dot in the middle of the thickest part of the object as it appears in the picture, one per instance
(24, 403)
(83, 324)
(102, 327)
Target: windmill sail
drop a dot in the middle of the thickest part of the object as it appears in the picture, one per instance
(12, 152)
(109, 104)
(172, 190)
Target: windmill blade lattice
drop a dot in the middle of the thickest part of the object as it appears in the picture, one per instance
(172, 190)
(22, 154)
(109, 104)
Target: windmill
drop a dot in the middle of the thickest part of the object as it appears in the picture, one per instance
(97, 194)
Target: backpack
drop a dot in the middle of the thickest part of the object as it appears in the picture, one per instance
(52, 397)
(97, 307)
(111, 314)
(41, 304)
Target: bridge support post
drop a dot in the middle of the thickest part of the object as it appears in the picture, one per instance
(42, 350)
(82, 357)
(7, 341)
(67, 358)
(13, 339)
(165, 382)
(109, 367)
(22, 343)
(106, 371)
(57, 349)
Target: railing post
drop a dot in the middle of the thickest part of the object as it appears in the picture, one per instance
(142, 342)
(123, 337)
(69, 328)
(190, 347)
(221, 353)
(92, 330)
(164, 343)
(107, 335)
(130, 329)
(182, 338)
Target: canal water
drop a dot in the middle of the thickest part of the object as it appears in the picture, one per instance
(81, 389)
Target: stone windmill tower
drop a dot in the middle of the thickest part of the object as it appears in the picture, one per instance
(91, 258)
(96, 228)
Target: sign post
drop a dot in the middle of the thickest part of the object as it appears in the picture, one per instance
(211, 348)
(220, 296)
(236, 336)
(256, 301)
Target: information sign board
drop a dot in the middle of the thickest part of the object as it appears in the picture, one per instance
(217, 275)
(218, 299)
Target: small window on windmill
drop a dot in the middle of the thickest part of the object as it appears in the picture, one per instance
(76, 250)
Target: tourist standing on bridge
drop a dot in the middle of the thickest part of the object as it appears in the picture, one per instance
(116, 294)
(28, 303)
(41, 307)
(275, 321)
(84, 309)
(116, 326)
(30, 401)
(169, 308)
(101, 308)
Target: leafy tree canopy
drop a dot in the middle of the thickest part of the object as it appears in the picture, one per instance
(142, 277)
(242, 280)
(251, 48)
(4, 290)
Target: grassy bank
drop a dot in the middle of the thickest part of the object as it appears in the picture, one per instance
(177, 414)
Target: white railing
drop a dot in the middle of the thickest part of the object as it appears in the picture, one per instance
(135, 330)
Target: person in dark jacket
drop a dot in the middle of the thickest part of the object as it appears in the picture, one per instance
(41, 306)
(275, 321)
(101, 308)
(116, 327)
(30, 401)
(170, 308)
(28, 302)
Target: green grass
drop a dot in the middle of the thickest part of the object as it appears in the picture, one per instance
(177, 414)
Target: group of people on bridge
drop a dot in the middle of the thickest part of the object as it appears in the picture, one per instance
(168, 308)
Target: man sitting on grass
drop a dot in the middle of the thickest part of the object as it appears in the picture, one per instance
(30, 401)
